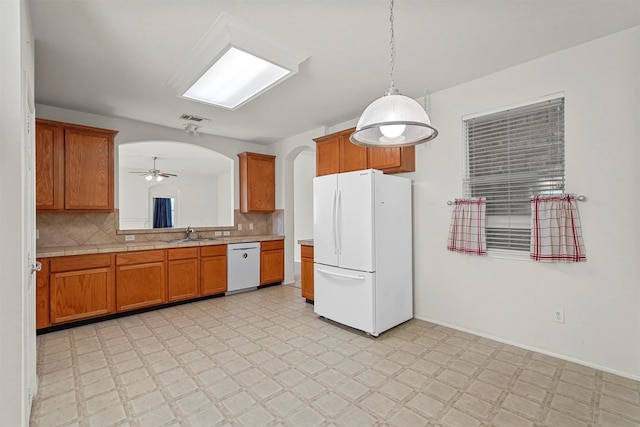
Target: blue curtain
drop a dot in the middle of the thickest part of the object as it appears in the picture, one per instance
(162, 213)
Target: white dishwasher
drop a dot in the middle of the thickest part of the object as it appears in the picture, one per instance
(243, 266)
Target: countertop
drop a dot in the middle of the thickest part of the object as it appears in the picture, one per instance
(306, 242)
(140, 246)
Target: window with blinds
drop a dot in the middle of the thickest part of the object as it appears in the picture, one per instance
(512, 155)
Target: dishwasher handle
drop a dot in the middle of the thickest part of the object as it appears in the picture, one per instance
(245, 249)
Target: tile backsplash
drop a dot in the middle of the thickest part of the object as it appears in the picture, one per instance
(93, 228)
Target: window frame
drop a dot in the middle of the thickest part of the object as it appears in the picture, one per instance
(509, 249)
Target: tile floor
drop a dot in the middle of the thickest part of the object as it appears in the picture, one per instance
(264, 358)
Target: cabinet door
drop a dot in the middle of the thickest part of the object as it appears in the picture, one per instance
(392, 160)
(88, 168)
(257, 182)
(182, 278)
(271, 266)
(306, 272)
(328, 157)
(213, 275)
(352, 157)
(49, 167)
(76, 295)
(42, 295)
(140, 285)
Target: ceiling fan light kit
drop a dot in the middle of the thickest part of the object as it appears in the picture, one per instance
(155, 174)
(394, 120)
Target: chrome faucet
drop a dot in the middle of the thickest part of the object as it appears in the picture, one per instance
(188, 231)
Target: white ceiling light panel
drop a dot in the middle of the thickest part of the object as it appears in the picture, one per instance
(233, 63)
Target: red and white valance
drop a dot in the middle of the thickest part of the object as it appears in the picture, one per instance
(556, 234)
(467, 230)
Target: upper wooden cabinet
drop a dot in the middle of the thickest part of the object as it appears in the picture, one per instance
(392, 160)
(257, 182)
(335, 154)
(74, 167)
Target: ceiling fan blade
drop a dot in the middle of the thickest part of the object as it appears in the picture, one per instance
(166, 174)
(139, 172)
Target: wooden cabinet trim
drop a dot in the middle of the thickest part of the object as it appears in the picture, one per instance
(213, 250)
(182, 253)
(271, 245)
(138, 257)
(42, 295)
(306, 251)
(79, 262)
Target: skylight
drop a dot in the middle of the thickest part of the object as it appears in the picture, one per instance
(234, 63)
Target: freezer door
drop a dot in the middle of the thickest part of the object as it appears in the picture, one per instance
(325, 198)
(355, 220)
(345, 296)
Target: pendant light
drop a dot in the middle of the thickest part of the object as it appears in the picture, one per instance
(394, 120)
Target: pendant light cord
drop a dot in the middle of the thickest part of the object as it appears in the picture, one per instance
(392, 46)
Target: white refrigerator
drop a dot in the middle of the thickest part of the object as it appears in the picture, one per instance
(363, 266)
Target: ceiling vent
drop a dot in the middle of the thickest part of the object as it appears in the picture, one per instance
(195, 119)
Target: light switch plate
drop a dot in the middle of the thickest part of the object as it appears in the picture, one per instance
(227, 233)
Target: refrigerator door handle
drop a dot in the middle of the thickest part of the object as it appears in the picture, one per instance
(334, 222)
(344, 276)
(339, 222)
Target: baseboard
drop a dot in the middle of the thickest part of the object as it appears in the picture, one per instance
(530, 348)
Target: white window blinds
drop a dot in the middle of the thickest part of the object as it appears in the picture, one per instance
(510, 156)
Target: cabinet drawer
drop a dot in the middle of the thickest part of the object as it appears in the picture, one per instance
(182, 253)
(306, 251)
(140, 257)
(79, 262)
(272, 245)
(214, 250)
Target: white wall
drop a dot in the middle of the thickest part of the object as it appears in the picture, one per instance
(196, 198)
(304, 170)
(17, 334)
(286, 152)
(511, 300)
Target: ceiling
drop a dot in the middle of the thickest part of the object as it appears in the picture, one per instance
(114, 57)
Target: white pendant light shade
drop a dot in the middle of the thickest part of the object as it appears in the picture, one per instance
(393, 121)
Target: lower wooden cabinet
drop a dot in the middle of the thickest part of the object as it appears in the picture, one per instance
(182, 273)
(73, 288)
(140, 279)
(42, 295)
(271, 262)
(213, 270)
(81, 287)
(306, 271)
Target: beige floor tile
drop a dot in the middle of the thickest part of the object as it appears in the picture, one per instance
(265, 358)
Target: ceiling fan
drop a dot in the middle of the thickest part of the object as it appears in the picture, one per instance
(155, 174)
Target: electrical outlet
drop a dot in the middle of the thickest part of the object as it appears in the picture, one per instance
(129, 238)
(217, 233)
(558, 315)
(239, 227)
(250, 226)
(37, 234)
(227, 233)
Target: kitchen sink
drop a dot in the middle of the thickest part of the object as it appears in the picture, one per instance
(198, 239)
